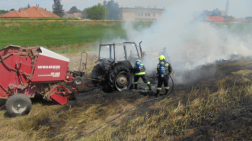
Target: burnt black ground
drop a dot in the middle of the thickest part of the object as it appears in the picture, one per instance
(235, 122)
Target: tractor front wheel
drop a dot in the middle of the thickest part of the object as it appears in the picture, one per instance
(18, 104)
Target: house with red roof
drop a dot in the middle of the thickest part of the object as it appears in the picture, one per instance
(32, 12)
(15, 14)
(215, 19)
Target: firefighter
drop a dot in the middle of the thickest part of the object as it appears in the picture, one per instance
(163, 71)
(139, 70)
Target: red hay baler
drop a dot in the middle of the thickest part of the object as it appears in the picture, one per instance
(25, 71)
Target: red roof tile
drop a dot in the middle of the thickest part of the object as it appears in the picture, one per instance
(215, 19)
(15, 14)
(47, 13)
(32, 12)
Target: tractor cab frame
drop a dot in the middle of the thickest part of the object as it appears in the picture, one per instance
(112, 50)
(117, 73)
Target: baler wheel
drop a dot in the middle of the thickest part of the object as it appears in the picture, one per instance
(18, 104)
(78, 81)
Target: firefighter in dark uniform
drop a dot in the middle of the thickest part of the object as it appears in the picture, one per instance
(163, 71)
(139, 71)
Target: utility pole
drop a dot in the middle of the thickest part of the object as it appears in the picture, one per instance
(104, 3)
(227, 8)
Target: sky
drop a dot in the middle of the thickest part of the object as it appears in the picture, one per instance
(237, 8)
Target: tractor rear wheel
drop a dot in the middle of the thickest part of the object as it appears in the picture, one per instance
(18, 104)
(122, 78)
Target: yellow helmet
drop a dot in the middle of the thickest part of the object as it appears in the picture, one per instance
(161, 57)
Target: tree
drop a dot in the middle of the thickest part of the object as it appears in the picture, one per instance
(84, 13)
(216, 12)
(12, 9)
(113, 10)
(74, 9)
(26, 7)
(4, 11)
(96, 12)
(58, 8)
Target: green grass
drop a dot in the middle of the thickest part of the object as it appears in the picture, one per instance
(57, 33)
(74, 48)
(70, 34)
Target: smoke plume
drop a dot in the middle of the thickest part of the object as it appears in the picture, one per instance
(190, 44)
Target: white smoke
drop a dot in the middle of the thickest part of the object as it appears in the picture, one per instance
(189, 44)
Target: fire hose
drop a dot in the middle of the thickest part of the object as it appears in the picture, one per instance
(157, 98)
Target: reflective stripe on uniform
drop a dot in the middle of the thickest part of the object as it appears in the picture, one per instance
(135, 82)
(141, 65)
(159, 88)
(167, 88)
(140, 73)
(166, 65)
(148, 83)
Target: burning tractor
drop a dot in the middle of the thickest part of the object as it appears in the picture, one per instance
(34, 70)
(116, 70)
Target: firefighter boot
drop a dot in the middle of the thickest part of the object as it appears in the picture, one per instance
(156, 94)
(149, 85)
(135, 87)
(166, 91)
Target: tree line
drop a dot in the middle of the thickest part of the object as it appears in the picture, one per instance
(6, 11)
(106, 11)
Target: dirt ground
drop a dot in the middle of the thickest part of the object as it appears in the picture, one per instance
(77, 60)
